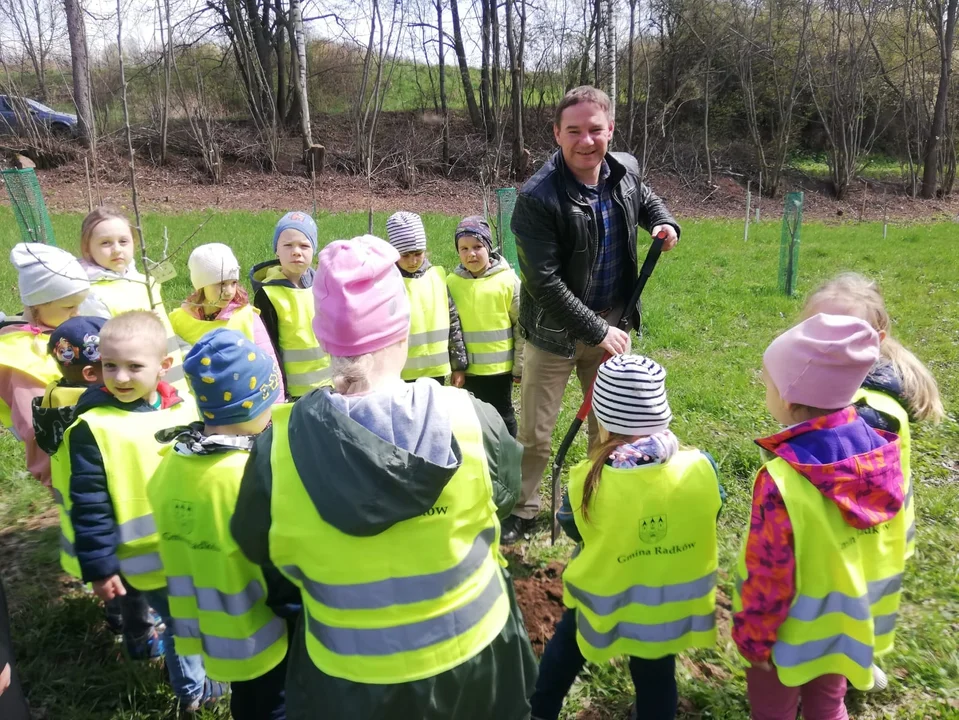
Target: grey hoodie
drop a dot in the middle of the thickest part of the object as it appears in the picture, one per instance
(369, 462)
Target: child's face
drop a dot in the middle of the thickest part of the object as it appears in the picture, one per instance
(473, 254)
(294, 251)
(778, 408)
(132, 367)
(220, 294)
(412, 261)
(111, 245)
(53, 314)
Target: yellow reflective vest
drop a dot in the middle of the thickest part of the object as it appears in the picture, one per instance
(190, 328)
(887, 405)
(26, 352)
(130, 454)
(643, 581)
(411, 602)
(122, 295)
(848, 585)
(484, 304)
(305, 364)
(217, 596)
(428, 354)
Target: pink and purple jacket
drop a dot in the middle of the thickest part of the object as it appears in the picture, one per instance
(17, 389)
(854, 466)
(261, 338)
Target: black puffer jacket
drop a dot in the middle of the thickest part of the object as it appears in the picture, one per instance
(557, 240)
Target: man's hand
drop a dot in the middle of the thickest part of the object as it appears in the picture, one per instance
(616, 341)
(458, 378)
(671, 237)
(5, 678)
(109, 588)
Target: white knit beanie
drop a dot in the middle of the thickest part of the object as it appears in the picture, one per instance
(46, 273)
(405, 232)
(212, 264)
(629, 396)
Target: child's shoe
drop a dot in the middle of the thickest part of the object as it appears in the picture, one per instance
(213, 692)
(149, 647)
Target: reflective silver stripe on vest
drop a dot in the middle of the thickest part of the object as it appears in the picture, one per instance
(57, 497)
(490, 358)
(787, 655)
(303, 354)
(430, 336)
(485, 336)
(911, 532)
(643, 595)
(739, 580)
(883, 624)
(141, 564)
(172, 343)
(222, 648)
(878, 589)
(426, 361)
(67, 546)
(136, 529)
(413, 636)
(309, 378)
(658, 633)
(174, 374)
(908, 499)
(213, 600)
(397, 591)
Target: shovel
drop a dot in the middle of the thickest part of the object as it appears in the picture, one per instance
(652, 256)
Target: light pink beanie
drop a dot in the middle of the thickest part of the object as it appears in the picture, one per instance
(360, 299)
(822, 361)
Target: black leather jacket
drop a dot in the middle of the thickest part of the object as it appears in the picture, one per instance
(557, 239)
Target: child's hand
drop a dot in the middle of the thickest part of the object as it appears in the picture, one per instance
(4, 678)
(458, 379)
(109, 588)
(763, 666)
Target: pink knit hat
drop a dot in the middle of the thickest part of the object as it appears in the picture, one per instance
(360, 299)
(822, 361)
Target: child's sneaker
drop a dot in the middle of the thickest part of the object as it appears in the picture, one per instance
(149, 647)
(880, 681)
(213, 692)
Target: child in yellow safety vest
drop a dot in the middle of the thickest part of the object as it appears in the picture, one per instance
(898, 390)
(218, 301)
(106, 249)
(282, 292)
(642, 583)
(110, 455)
(819, 573)
(52, 287)
(486, 292)
(436, 347)
(218, 599)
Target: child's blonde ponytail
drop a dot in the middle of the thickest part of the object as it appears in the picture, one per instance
(853, 294)
(598, 457)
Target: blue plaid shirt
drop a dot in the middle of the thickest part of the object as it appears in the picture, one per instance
(604, 290)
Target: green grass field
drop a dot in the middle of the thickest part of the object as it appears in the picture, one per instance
(711, 308)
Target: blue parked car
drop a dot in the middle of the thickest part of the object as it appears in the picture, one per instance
(14, 110)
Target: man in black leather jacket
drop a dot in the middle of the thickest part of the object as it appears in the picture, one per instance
(575, 224)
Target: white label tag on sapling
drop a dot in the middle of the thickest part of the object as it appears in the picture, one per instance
(163, 272)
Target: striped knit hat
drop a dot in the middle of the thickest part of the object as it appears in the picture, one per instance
(629, 396)
(405, 232)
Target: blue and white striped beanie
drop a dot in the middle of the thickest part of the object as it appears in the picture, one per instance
(405, 232)
(629, 396)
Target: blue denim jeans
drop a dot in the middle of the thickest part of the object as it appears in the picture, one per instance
(654, 680)
(187, 674)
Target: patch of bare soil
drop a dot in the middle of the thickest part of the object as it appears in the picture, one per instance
(18, 559)
(540, 597)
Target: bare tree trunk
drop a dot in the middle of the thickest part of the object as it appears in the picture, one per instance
(709, 159)
(631, 75)
(81, 74)
(471, 106)
(167, 78)
(486, 97)
(298, 37)
(930, 162)
(514, 47)
(609, 55)
(444, 105)
(42, 50)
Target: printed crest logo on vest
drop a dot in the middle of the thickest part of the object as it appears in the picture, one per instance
(185, 516)
(652, 529)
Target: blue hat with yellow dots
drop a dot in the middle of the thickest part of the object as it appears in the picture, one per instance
(233, 380)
